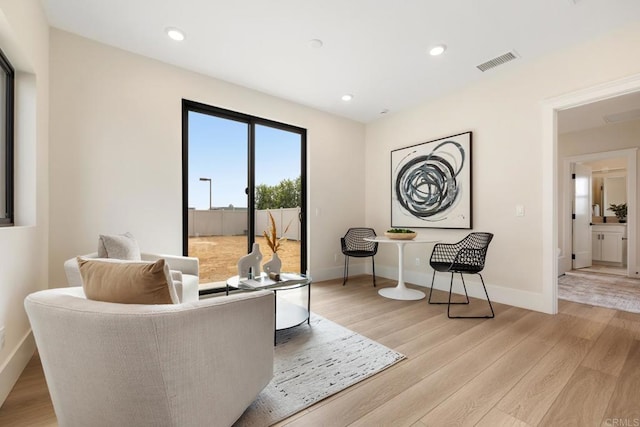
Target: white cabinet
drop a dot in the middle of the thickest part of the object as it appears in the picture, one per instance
(608, 243)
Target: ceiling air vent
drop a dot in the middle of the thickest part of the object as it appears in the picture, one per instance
(622, 117)
(499, 60)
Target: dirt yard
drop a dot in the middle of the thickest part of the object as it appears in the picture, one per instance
(219, 255)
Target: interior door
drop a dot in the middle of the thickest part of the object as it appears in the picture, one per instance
(582, 244)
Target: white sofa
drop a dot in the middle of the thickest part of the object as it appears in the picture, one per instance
(184, 271)
(192, 364)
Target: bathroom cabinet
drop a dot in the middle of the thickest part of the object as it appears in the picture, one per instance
(608, 243)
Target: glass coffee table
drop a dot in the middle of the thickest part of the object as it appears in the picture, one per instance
(291, 308)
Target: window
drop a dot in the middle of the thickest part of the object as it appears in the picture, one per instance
(6, 141)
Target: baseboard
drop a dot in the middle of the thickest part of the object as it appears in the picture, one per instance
(15, 364)
(562, 265)
(514, 297)
(331, 273)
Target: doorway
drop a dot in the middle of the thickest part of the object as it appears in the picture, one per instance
(551, 205)
(599, 241)
(239, 171)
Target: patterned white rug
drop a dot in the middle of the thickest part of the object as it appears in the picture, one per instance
(312, 363)
(601, 290)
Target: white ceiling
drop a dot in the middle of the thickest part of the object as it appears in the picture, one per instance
(373, 49)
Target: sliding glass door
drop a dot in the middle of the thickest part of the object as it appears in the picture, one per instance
(217, 200)
(278, 192)
(238, 171)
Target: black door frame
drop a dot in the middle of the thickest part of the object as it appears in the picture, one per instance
(251, 121)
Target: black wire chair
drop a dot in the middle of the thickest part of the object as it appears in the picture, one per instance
(354, 245)
(465, 257)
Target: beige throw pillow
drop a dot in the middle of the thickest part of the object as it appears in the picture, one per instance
(120, 246)
(127, 282)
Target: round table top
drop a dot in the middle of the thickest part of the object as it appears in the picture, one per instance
(417, 239)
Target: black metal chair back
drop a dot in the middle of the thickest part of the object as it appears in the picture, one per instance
(354, 245)
(354, 241)
(464, 257)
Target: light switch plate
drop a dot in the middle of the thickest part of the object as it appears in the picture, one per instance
(519, 210)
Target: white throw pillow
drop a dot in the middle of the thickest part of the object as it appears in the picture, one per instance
(119, 246)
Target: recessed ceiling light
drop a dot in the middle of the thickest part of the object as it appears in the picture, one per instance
(347, 97)
(437, 50)
(316, 43)
(175, 34)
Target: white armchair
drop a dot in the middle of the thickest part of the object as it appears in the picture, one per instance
(184, 271)
(193, 364)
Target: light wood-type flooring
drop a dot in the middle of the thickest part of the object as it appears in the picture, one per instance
(523, 368)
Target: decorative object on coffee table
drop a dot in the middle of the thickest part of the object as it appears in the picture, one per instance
(249, 265)
(275, 264)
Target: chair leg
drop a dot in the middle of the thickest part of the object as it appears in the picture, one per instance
(488, 300)
(472, 317)
(451, 287)
(433, 278)
(464, 286)
(345, 272)
(373, 262)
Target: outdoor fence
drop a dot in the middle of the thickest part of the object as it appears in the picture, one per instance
(233, 222)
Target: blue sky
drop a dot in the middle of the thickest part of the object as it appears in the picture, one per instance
(218, 150)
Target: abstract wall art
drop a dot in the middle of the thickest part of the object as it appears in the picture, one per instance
(431, 184)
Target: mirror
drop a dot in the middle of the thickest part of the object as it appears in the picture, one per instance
(615, 191)
(608, 190)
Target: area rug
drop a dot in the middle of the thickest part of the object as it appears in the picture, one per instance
(602, 290)
(312, 363)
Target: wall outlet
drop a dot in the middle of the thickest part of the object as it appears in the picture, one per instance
(417, 261)
(1, 337)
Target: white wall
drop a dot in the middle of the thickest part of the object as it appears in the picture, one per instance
(505, 113)
(116, 153)
(614, 136)
(24, 38)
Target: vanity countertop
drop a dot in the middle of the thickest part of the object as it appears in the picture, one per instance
(607, 224)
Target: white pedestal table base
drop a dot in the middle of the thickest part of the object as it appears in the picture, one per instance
(401, 292)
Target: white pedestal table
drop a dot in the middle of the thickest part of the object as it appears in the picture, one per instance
(400, 291)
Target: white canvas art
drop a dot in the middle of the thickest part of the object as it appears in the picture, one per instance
(431, 184)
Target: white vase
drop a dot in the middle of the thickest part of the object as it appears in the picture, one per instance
(249, 265)
(273, 265)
